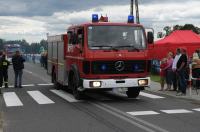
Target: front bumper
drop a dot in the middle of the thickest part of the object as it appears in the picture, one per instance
(116, 83)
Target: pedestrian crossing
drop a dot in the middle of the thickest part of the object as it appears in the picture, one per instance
(172, 111)
(66, 96)
(152, 96)
(137, 113)
(12, 99)
(176, 111)
(31, 85)
(40, 98)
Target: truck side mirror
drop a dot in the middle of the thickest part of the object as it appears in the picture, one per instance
(150, 37)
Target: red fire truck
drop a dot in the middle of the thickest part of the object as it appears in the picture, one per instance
(100, 55)
(10, 49)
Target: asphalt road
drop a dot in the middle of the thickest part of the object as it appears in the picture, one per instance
(38, 107)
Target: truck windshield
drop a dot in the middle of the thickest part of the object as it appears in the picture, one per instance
(116, 37)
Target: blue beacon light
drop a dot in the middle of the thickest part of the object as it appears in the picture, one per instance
(135, 67)
(103, 67)
(130, 19)
(95, 18)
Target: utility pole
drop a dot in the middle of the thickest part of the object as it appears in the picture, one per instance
(135, 3)
(137, 12)
(131, 8)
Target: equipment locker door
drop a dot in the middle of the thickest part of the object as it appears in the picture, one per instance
(50, 55)
(61, 63)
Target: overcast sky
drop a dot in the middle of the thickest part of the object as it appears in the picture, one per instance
(31, 20)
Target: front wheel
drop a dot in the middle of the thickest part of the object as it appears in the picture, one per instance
(133, 92)
(73, 84)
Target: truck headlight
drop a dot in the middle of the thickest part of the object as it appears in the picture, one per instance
(95, 84)
(143, 82)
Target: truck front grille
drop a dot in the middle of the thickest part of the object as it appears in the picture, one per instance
(118, 67)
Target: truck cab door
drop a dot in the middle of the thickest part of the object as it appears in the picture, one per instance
(79, 43)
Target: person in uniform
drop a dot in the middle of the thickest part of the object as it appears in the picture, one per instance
(5, 64)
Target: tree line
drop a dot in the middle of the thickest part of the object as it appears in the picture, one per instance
(168, 30)
(33, 48)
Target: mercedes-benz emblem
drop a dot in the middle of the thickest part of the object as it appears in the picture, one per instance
(119, 65)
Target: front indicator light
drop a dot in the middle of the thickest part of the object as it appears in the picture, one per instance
(143, 82)
(95, 84)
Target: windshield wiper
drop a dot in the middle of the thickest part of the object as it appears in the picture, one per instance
(129, 46)
(102, 46)
(116, 48)
(105, 46)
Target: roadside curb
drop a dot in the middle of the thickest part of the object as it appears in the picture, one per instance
(168, 94)
(193, 97)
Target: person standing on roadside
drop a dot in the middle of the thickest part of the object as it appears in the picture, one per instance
(18, 66)
(163, 73)
(1, 73)
(196, 67)
(169, 72)
(5, 64)
(181, 72)
(175, 78)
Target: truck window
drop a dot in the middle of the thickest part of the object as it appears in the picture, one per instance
(80, 37)
(69, 34)
(139, 39)
(121, 37)
(74, 38)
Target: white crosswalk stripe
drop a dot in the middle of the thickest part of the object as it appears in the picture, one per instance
(28, 85)
(32, 85)
(137, 113)
(11, 99)
(176, 111)
(65, 95)
(151, 95)
(47, 84)
(39, 97)
(197, 109)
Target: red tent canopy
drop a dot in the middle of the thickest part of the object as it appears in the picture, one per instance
(178, 39)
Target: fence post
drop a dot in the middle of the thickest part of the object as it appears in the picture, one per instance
(190, 79)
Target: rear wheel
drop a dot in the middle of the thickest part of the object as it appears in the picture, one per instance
(133, 92)
(73, 84)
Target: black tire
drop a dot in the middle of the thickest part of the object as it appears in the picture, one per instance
(73, 85)
(133, 92)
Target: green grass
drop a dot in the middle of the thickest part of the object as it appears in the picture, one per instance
(155, 78)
